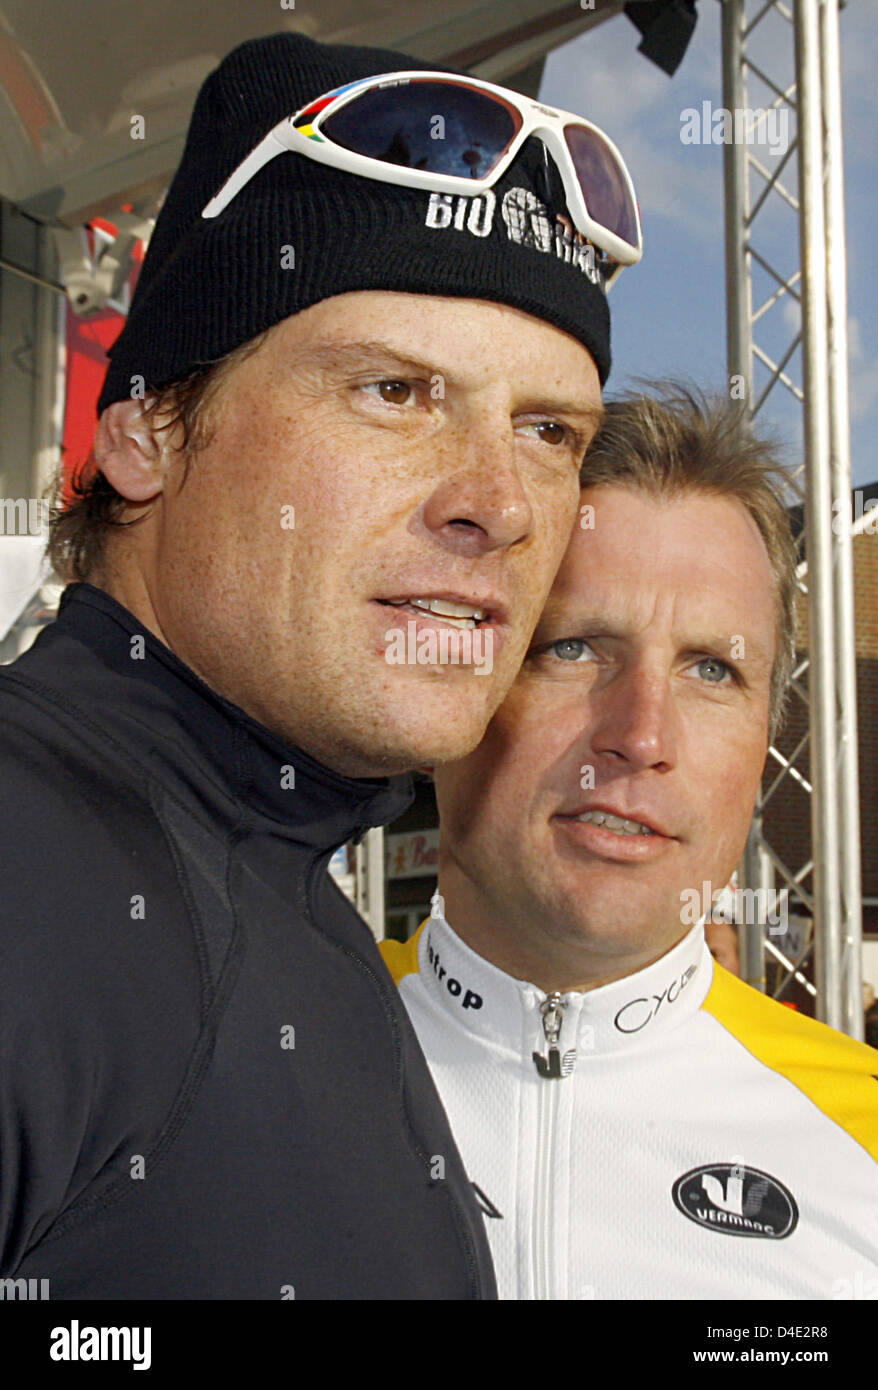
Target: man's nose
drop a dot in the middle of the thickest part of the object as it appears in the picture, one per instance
(637, 721)
(481, 504)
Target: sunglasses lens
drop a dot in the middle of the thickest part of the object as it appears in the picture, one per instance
(437, 127)
(603, 184)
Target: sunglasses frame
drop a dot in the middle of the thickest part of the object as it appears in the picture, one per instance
(546, 122)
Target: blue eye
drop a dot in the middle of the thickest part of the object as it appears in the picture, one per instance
(713, 670)
(570, 648)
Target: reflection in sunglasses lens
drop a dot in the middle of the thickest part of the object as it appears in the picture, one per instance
(602, 182)
(438, 127)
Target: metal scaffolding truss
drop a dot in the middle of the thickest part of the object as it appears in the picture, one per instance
(798, 79)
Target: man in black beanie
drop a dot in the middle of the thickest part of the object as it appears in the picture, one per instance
(342, 411)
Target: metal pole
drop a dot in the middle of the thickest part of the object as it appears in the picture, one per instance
(751, 934)
(818, 517)
(840, 463)
(369, 869)
(51, 356)
(737, 202)
(375, 838)
(755, 869)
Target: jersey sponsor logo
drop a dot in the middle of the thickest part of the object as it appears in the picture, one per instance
(468, 998)
(555, 1066)
(736, 1201)
(638, 1012)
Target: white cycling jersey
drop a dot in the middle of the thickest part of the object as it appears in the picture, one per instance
(674, 1134)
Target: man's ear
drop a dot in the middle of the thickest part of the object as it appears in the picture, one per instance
(128, 452)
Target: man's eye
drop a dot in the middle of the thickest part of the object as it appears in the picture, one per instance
(713, 670)
(571, 649)
(549, 431)
(391, 392)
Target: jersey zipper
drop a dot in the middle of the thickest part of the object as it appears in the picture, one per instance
(552, 1010)
(549, 1067)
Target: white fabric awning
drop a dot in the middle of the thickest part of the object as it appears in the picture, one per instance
(70, 88)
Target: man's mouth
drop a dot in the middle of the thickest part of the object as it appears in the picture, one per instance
(615, 823)
(456, 614)
(643, 823)
(616, 838)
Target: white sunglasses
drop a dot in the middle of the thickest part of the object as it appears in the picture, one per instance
(450, 134)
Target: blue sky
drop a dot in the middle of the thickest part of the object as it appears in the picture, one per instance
(669, 311)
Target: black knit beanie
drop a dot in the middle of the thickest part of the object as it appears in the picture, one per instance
(300, 231)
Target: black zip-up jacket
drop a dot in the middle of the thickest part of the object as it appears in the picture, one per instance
(209, 1088)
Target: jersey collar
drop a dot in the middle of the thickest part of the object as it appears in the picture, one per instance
(627, 1014)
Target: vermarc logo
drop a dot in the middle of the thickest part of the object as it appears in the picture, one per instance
(736, 1201)
(638, 1012)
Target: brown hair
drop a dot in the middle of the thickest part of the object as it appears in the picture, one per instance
(678, 439)
(78, 532)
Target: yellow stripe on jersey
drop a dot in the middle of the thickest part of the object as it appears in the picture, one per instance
(835, 1072)
(401, 957)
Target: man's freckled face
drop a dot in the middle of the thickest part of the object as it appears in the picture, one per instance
(429, 447)
(651, 666)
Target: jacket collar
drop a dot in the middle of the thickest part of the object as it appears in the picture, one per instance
(141, 686)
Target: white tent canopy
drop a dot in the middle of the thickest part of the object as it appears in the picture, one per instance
(73, 76)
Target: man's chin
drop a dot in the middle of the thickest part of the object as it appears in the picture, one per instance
(394, 740)
(438, 726)
(606, 915)
(421, 755)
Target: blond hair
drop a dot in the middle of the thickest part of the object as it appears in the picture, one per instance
(678, 439)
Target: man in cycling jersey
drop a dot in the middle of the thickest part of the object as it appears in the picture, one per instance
(636, 1121)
